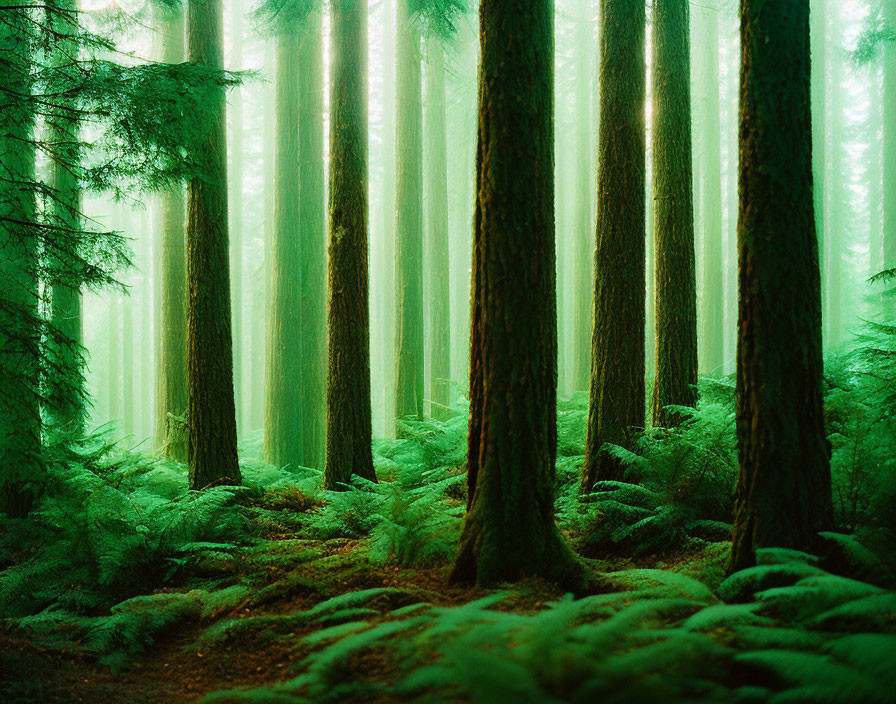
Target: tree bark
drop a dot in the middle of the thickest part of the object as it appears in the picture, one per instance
(784, 487)
(409, 218)
(509, 531)
(212, 419)
(616, 409)
(675, 383)
(348, 315)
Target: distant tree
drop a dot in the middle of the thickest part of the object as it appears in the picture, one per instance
(211, 417)
(784, 488)
(675, 383)
(348, 316)
(235, 236)
(19, 331)
(509, 531)
(616, 406)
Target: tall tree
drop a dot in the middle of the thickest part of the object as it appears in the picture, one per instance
(837, 209)
(819, 78)
(19, 332)
(676, 286)
(283, 431)
(348, 316)
(171, 371)
(409, 216)
(509, 531)
(437, 211)
(784, 487)
(713, 338)
(889, 138)
(313, 238)
(617, 364)
(583, 245)
(211, 415)
(236, 210)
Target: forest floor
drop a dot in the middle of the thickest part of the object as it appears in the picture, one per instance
(124, 587)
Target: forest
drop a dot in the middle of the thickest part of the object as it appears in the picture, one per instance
(448, 351)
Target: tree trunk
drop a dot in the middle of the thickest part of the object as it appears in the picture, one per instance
(19, 332)
(348, 316)
(713, 352)
(171, 384)
(509, 531)
(212, 420)
(675, 383)
(836, 160)
(617, 367)
(236, 212)
(889, 101)
(409, 219)
(283, 431)
(784, 488)
(313, 238)
(439, 257)
(818, 47)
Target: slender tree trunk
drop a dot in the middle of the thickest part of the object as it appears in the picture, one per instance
(712, 351)
(818, 47)
(784, 488)
(889, 101)
(236, 213)
(268, 149)
(583, 242)
(19, 332)
(283, 427)
(114, 386)
(509, 531)
(875, 174)
(676, 286)
(65, 402)
(617, 366)
(409, 219)
(313, 237)
(348, 314)
(127, 353)
(212, 419)
(439, 258)
(171, 380)
(837, 215)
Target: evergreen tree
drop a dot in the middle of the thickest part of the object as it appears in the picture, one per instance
(509, 531)
(19, 332)
(171, 381)
(212, 419)
(235, 182)
(616, 407)
(676, 287)
(348, 317)
(784, 488)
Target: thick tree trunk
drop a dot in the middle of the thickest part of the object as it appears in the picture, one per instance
(784, 488)
(713, 341)
(509, 531)
(583, 225)
(675, 383)
(409, 218)
(212, 419)
(283, 431)
(439, 257)
(19, 332)
(617, 367)
(313, 237)
(348, 315)
(171, 380)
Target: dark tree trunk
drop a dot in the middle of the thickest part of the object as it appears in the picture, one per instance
(409, 218)
(509, 531)
(348, 315)
(675, 383)
(212, 420)
(616, 409)
(784, 488)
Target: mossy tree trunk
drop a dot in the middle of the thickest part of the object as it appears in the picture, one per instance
(211, 415)
(283, 426)
(437, 206)
(784, 487)
(348, 315)
(675, 382)
(313, 237)
(509, 531)
(171, 382)
(409, 218)
(616, 410)
(20, 468)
